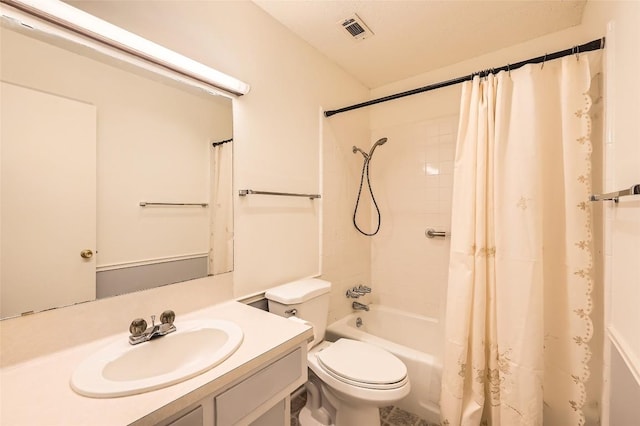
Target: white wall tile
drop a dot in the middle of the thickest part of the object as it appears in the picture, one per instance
(409, 270)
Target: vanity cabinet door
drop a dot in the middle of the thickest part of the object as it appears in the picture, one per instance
(277, 415)
(260, 399)
(242, 399)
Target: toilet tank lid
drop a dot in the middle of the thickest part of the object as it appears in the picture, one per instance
(298, 291)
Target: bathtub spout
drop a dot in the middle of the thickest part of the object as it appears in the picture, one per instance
(360, 306)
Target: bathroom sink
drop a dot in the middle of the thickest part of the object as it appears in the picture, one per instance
(121, 369)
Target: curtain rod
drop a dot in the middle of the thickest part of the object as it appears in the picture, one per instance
(214, 144)
(576, 50)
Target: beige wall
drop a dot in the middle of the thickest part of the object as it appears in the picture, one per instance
(621, 221)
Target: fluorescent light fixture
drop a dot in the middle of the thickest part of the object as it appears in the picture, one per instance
(87, 25)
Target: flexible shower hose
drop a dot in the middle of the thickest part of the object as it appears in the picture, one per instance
(365, 171)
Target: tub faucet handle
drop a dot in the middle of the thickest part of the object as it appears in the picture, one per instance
(354, 293)
(364, 289)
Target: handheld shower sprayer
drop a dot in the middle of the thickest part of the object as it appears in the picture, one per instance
(380, 141)
(365, 171)
(366, 156)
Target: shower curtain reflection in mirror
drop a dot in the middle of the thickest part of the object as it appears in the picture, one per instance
(221, 224)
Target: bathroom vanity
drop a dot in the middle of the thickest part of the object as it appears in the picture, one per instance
(252, 386)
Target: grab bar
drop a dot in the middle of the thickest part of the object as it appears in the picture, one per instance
(245, 192)
(432, 233)
(634, 190)
(146, 203)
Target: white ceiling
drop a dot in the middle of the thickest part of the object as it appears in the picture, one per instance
(413, 37)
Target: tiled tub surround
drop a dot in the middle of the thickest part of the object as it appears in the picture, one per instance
(412, 178)
(37, 390)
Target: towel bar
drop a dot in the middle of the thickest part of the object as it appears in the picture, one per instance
(634, 190)
(245, 192)
(146, 203)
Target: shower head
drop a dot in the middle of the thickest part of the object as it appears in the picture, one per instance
(366, 156)
(379, 142)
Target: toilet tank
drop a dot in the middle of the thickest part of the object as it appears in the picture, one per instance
(310, 299)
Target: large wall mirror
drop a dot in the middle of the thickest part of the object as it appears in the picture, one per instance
(112, 180)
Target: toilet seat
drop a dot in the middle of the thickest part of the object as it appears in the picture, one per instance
(362, 365)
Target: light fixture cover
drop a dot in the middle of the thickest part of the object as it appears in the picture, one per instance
(95, 28)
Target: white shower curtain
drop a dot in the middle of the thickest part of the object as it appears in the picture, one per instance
(221, 236)
(518, 302)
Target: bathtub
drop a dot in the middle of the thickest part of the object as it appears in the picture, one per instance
(415, 339)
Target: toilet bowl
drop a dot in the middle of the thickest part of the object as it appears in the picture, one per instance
(348, 380)
(358, 379)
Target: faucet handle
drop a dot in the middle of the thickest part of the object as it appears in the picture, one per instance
(167, 317)
(353, 293)
(364, 289)
(137, 327)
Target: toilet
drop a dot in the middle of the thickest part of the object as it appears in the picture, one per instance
(348, 380)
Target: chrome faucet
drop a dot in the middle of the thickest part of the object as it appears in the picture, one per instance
(356, 292)
(360, 306)
(140, 333)
(353, 293)
(364, 289)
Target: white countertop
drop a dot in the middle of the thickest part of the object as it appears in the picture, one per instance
(37, 392)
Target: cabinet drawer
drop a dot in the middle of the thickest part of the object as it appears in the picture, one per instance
(237, 402)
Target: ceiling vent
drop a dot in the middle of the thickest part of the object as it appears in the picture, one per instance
(356, 28)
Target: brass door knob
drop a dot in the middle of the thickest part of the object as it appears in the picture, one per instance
(86, 254)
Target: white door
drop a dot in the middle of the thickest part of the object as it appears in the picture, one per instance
(48, 200)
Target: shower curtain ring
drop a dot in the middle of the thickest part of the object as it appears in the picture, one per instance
(509, 69)
(578, 53)
(543, 61)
